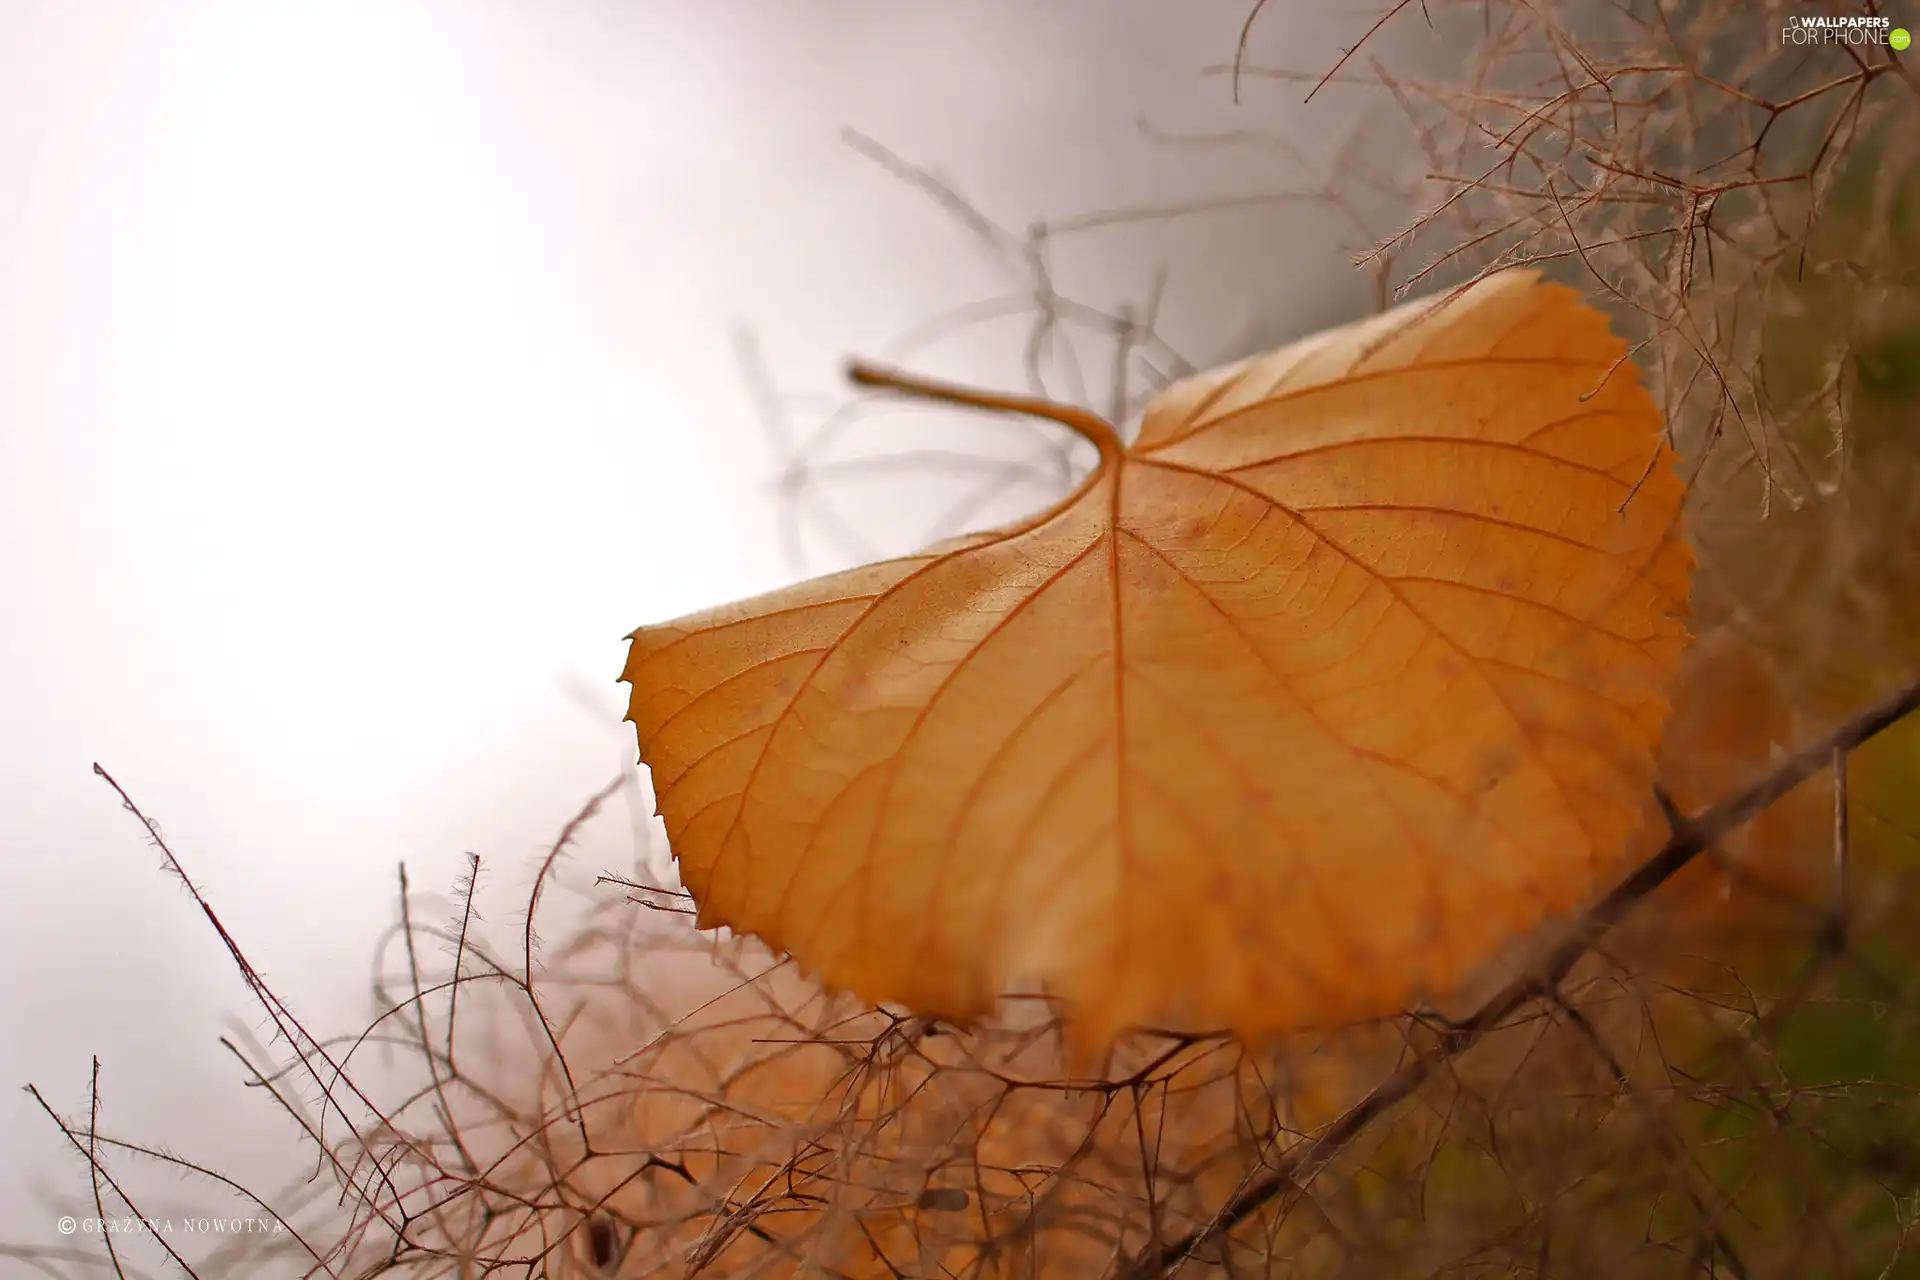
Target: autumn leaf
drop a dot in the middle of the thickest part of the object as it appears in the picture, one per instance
(1351, 666)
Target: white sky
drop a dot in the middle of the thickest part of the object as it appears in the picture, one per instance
(365, 376)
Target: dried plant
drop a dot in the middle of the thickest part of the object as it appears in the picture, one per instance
(1710, 1072)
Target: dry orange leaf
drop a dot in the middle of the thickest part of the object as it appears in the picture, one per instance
(1350, 667)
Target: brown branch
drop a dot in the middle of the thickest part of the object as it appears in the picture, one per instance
(308, 1047)
(591, 807)
(1289, 1179)
(1320, 84)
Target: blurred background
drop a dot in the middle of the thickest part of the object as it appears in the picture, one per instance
(368, 370)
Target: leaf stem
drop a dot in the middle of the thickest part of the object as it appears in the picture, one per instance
(1084, 423)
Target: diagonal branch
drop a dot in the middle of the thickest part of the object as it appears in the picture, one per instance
(1287, 1181)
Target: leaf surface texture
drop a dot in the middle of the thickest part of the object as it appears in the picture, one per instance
(1349, 668)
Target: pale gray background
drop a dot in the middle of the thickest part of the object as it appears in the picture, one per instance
(365, 375)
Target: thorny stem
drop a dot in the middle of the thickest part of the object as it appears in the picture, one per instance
(1084, 423)
(309, 1049)
(90, 1151)
(567, 834)
(1288, 1181)
(94, 1171)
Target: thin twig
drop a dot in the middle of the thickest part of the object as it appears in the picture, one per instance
(1301, 1165)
